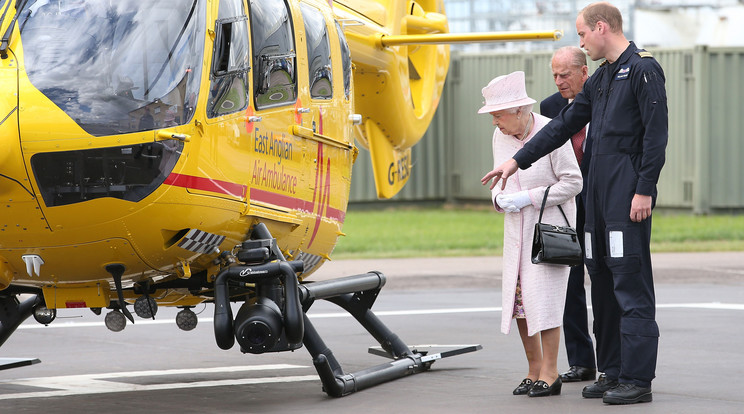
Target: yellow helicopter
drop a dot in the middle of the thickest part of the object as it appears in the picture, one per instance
(179, 152)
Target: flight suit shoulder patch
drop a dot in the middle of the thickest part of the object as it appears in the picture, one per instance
(644, 54)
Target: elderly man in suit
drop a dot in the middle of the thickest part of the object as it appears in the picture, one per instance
(570, 72)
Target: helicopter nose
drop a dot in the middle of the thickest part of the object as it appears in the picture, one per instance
(15, 185)
(9, 140)
(14, 181)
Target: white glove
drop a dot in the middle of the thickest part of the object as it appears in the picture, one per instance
(521, 199)
(506, 203)
(512, 203)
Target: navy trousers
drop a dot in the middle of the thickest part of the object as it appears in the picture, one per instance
(579, 346)
(618, 257)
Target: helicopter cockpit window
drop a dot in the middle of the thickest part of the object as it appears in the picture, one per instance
(230, 62)
(274, 77)
(318, 52)
(345, 60)
(116, 67)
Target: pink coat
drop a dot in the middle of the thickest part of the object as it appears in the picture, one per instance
(543, 286)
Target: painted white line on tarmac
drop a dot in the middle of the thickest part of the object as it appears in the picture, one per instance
(408, 312)
(58, 324)
(713, 305)
(68, 385)
(412, 312)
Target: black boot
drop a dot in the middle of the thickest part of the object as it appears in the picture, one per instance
(627, 394)
(598, 389)
(577, 373)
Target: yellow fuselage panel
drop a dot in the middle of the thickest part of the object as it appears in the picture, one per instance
(83, 262)
(18, 205)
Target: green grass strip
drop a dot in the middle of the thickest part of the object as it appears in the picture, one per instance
(462, 231)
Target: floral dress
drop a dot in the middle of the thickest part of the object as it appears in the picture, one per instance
(518, 312)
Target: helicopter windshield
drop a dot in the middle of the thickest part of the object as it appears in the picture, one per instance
(116, 66)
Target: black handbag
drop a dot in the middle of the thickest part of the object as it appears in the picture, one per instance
(556, 245)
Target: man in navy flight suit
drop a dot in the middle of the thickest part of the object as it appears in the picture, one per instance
(625, 100)
(569, 73)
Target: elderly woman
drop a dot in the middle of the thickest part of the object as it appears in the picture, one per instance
(532, 294)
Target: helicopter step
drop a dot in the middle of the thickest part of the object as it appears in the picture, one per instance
(8, 363)
(459, 350)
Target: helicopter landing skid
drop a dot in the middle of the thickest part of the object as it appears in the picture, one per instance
(14, 312)
(8, 363)
(458, 350)
(356, 295)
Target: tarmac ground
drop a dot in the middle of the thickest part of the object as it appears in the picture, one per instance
(153, 367)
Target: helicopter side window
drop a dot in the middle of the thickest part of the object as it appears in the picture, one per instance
(230, 62)
(345, 60)
(274, 77)
(318, 52)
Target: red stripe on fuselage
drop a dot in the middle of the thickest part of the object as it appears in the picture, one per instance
(207, 184)
(240, 191)
(294, 203)
(319, 186)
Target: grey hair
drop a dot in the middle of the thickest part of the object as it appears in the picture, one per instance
(578, 57)
(524, 109)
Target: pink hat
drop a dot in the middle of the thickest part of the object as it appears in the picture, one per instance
(504, 92)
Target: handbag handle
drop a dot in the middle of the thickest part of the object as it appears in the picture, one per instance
(542, 207)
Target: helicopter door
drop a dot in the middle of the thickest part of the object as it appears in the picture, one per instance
(326, 126)
(278, 180)
(318, 53)
(225, 153)
(328, 79)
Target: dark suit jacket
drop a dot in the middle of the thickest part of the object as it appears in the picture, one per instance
(551, 107)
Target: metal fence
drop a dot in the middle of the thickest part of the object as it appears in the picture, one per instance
(704, 172)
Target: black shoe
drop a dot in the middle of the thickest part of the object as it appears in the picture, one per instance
(524, 387)
(577, 373)
(598, 389)
(541, 388)
(627, 394)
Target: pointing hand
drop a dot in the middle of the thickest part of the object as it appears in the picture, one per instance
(501, 172)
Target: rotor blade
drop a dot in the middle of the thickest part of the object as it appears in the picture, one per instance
(448, 38)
